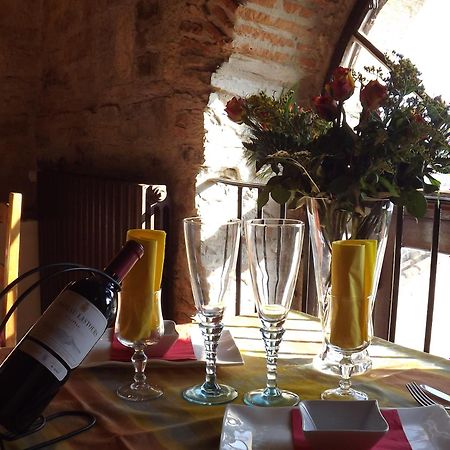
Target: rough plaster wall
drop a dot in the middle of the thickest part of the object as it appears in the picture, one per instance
(19, 83)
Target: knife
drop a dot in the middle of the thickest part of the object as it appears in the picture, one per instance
(436, 392)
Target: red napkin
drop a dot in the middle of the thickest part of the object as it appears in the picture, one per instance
(180, 350)
(394, 439)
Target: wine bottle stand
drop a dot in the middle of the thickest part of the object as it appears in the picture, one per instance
(41, 421)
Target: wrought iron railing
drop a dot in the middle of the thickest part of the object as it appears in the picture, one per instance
(306, 302)
(437, 204)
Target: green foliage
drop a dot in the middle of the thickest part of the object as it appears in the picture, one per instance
(392, 152)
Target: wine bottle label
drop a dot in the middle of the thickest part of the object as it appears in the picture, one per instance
(70, 326)
(42, 355)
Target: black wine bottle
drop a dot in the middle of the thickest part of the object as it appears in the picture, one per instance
(41, 362)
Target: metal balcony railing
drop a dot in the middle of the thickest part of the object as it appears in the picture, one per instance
(398, 238)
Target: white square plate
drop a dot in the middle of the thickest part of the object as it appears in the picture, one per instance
(227, 351)
(253, 428)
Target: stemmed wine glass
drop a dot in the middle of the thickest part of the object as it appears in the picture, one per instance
(274, 251)
(139, 321)
(212, 250)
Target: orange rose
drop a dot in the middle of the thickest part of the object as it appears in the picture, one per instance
(342, 84)
(326, 107)
(372, 95)
(235, 109)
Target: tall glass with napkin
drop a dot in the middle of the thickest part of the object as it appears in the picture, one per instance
(348, 321)
(139, 320)
(328, 223)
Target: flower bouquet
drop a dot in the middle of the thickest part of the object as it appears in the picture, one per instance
(400, 140)
(350, 170)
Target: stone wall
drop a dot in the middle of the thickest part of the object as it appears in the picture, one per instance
(125, 85)
(20, 70)
(120, 88)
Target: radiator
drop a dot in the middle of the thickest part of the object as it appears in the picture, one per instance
(84, 219)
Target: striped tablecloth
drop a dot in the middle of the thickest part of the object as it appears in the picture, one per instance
(172, 423)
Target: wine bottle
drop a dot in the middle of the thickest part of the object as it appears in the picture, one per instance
(58, 342)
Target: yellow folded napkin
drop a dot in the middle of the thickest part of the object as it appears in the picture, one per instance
(160, 237)
(139, 311)
(352, 276)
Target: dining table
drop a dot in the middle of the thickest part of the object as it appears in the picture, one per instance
(171, 422)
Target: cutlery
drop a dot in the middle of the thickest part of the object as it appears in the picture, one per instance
(436, 392)
(421, 397)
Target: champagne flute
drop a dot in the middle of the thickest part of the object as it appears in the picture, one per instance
(274, 251)
(139, 320)
(212, 250)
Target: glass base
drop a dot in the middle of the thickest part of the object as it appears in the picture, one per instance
(141, 394)
(343, 394)
(197, 394)
(259, 397)
(328, 361)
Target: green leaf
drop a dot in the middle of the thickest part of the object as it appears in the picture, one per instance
(263, 198)
(433, 181)
(389, 186)
(280, 194)
(341, 184)
(416, 203)
(274, 181)
(430, 188)
(259, 165)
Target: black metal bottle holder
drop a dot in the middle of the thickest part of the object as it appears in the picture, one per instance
(41, 420)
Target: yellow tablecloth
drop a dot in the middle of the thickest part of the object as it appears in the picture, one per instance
(172, 423)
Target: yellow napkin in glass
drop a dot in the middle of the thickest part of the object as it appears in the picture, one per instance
(138, 313)
(352, 276)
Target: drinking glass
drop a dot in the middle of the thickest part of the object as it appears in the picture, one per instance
(138, 338)
(329, 223)
(212, 250)
(347, 324)
(347, 321)
(274, 251)
(139, 321)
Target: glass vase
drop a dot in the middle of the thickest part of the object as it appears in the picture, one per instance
(329, 223)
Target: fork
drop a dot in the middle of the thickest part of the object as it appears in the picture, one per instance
(421, 397)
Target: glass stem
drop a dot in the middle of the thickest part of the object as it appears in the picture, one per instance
(139, 360)
(211, 330)
(346, 367)
(272, 335)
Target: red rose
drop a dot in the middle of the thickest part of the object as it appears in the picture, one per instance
(235, 109)
(326, 107)
(418, 118)
(342, 84)
(372, 95)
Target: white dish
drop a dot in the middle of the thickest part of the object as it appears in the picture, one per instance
(342, 424)
(253, 428)
(227, 351)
